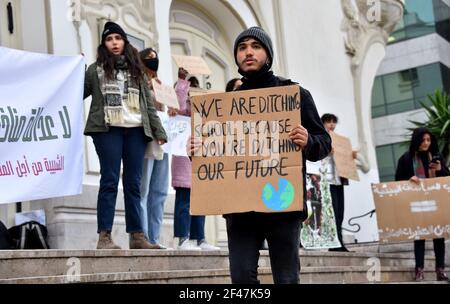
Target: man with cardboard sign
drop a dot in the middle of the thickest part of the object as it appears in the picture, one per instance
(265, 186)
(340, 167)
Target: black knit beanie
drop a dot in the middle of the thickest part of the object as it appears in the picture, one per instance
(113, 28)
(258, 34)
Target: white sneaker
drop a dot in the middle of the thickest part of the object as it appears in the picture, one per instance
(187, 245)
(208, 247)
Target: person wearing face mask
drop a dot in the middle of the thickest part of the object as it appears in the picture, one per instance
(122, 120)
(189, 230)
(155, 173)
(423, 160)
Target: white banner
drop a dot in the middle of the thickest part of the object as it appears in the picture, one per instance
(41, 136)
(178, 130)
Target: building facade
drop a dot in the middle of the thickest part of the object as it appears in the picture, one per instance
(417, 63)
(332, 48)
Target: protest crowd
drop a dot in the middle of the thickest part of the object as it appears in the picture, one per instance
(125, 122)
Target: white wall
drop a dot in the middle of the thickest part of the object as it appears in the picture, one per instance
(162, 26)
(316, 58)
(64, 34)
(359, 194)
(34, 32)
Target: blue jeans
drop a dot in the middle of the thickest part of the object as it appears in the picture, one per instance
(127, 144)
(154, 188)
(186, 225)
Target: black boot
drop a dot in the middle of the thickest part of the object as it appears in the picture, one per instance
(419, 274)
(440, 275)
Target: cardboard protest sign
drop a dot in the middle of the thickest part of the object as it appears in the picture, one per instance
(198, 92)
(178, 130)
(407, 211)
(165, 94)
(343, 157)
(247, 162)
(193, 64)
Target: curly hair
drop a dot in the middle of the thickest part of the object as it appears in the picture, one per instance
(107, 60)
(417, 138)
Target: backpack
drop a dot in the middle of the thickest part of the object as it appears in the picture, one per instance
(30, 235)
(6, 242)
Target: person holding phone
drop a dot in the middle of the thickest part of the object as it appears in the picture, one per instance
(423, 160)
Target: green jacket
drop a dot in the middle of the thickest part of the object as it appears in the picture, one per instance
(96, 120)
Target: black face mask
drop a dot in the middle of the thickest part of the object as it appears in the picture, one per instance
(152, 64)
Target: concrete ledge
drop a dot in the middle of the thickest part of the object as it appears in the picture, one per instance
(309, 275)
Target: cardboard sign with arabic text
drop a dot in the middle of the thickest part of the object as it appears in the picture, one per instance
(408, 211)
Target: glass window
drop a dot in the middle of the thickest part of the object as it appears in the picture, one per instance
(401, 106)
(445, 72)
(399, 149)
(399, 33)
(405, 90)
(397, 87)
(428, 81)
(379, 111)
(442, 17)
(418, 20)
(377, 92)
(387, 158)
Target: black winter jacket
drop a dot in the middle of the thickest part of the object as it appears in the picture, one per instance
(405, 167)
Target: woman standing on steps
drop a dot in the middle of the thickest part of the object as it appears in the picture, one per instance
(122, 119)
(155, 174)
(424, 161)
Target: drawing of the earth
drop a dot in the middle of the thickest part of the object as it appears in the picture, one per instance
(281, 199)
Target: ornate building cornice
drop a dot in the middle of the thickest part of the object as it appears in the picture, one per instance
(367, 21)
(136, 15)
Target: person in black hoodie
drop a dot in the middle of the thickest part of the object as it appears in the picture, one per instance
(253, 53)
(423, 160)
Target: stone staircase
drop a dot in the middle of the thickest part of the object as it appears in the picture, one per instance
(156, 267)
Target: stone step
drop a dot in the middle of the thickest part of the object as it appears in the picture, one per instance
(309, 275)
(51, 263)
(394, 247)
(210, 276)
(416, 283)
(360, 275)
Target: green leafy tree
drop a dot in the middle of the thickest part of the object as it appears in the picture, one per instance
(438, 120)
